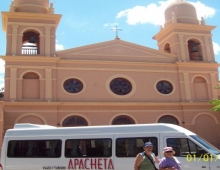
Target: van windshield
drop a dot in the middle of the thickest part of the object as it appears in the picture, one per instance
(204, 143)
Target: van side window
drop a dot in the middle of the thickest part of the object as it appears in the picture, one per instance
(75, 148)
(34, 148)
(184, 147)
(130, 147)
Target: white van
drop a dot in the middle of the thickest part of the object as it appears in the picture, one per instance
(42, 147)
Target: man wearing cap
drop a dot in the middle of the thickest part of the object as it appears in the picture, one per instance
(146, 160)
(169, 161)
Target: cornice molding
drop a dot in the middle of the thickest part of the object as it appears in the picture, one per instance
(25, 15)
(191, 27)
(34, 58)
(115, 104)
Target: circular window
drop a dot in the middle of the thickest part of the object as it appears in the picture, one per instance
(122, 120)
(120, 86)
(168, 119)
(75, 121)
(164, 87)
(73, 85)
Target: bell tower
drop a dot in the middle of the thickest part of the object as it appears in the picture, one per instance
(191, 41)
(184, 35)
(30, 27)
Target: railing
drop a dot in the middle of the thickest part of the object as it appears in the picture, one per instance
(30, 50)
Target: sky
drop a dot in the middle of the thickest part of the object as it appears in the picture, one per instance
(87, 22)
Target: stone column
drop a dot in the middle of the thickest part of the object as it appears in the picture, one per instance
(42, 46)
(187, 87)
(42, 88)
(182, 47)
(19, 44)
(207, 45)
(19, 88)
(13, 84)
(14, 39)
(47, 40)
(48, 84)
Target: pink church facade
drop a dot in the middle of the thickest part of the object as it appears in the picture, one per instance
(108, 83)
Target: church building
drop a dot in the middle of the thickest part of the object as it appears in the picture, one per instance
(109, 83)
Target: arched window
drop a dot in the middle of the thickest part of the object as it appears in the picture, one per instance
(31, 75)
(30, 43)
(168, 119)
(167, 48)
(122, 120)
(31, 86)
(75, 121)
(195, 51)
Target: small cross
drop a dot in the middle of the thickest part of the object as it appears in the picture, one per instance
(116, 30)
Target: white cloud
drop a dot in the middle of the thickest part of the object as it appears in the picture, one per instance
(216, 47)
(2, 71)
(203, 10)
(2, 85)
(2, 66)
(59, 46)
(141, 15)
(154, 13)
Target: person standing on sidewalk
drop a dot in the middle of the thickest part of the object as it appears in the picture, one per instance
(146, 160)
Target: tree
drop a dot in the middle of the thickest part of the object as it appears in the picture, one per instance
(216, 102)
(2, 92)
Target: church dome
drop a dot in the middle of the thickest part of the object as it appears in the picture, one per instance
(33, 6)
(181, 12)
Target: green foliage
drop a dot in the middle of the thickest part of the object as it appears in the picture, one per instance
(2, 92)
(215, 102)
(2, 89)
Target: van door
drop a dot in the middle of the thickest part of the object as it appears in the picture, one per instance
(214, 162)
(88, 152)
(190, 155)
(127, 146)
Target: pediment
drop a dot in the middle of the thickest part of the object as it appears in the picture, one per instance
(116, 50)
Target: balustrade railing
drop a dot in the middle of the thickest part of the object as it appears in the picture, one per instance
(30, 50)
